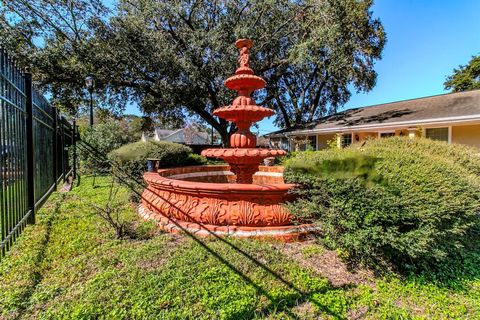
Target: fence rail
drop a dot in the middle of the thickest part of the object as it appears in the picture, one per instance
(34, 141)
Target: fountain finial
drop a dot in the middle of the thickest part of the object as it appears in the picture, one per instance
(244, 45)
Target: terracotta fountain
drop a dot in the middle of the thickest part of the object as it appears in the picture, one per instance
(242, 198)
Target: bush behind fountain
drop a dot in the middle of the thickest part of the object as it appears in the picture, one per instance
(132, 157)
(412, 203)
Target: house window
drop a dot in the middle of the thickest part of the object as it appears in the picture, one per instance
(312, 140)
(284, 144)
(346, 140)
(440, 134)
(387, 134)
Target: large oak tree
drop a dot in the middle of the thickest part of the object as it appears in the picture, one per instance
(172, 56)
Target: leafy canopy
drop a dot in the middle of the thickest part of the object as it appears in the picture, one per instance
(173, 56)
(466, 77)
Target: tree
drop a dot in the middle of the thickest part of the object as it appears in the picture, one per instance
(104, 137)
(50, 38)
(173, 56)
(466, 77)
(138, 125)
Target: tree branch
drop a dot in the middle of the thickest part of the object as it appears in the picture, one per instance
(284, 113)
(317, 97)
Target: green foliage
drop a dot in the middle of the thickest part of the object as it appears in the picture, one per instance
(412, 203)
(132, 158)
(173, 56)
(104, 137)
(333, 143)
(466, 77)
(138, 125)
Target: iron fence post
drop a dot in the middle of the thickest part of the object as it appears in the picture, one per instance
(62, 125)
(74, 142)
(30, 148)
(55, 147)
(27, 120)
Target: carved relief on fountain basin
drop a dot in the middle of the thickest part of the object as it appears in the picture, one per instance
(207, 194)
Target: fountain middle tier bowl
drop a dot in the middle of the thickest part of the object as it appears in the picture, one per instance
(205, 200)
(247, 82)
(243, 155)
(250, 113)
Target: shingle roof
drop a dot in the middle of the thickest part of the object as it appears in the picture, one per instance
(163, 132)
(445, 107)
(188, 136)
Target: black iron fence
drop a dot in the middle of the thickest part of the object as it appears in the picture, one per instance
(34, 155)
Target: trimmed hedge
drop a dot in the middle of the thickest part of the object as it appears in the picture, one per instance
(132, 157)
(413, 203)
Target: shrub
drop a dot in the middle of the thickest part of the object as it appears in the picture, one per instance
(413, 203)
(132, 157)
(104, 137)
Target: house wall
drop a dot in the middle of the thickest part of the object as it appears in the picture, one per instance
(401, 132)
(362, 136)
(323, 139)
(469, 135)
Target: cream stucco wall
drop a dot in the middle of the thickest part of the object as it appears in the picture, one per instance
(323, 139)
(362, 136)
(401, 133)
(469, 135)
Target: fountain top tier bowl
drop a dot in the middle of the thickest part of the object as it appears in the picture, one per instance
(243, 156)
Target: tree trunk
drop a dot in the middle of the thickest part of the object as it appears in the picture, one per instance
(225, 138)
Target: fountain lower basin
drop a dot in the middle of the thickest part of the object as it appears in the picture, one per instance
(205, 200)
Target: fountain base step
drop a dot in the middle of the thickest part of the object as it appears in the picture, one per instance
(283, 233)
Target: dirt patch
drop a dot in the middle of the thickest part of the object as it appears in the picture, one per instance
(157, 262)
(357, 314)
(67, 186)
(409, 305)
(326, 263)
(305, 309)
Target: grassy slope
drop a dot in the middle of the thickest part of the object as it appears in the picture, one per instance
(69, 266)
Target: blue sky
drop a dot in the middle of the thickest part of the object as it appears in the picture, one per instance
(426, 40)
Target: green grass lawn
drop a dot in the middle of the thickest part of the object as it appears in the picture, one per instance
(69, 266)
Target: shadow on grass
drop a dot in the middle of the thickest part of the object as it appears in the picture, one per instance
(276, 304)
(37, 276)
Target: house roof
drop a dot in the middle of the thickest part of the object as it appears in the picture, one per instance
(189, 136)
(441, 109)
(163, 132)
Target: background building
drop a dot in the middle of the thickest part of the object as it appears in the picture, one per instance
(453, 118)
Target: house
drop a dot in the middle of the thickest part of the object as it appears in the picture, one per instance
(191, 135)
(159, 133)
(452, 117)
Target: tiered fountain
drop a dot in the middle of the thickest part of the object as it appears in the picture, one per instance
(243, 158)
(240, 199)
